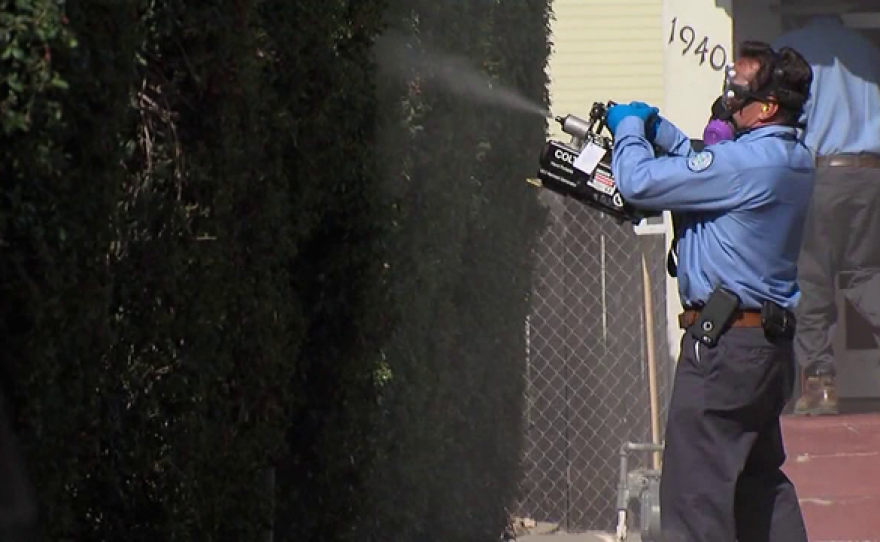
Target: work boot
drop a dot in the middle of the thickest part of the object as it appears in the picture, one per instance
(818, 398)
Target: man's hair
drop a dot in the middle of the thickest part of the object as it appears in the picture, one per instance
(785, 75)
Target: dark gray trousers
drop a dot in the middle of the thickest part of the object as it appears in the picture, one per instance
(722, 479)
(841, 237)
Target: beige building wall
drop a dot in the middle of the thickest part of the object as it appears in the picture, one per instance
(605, 50)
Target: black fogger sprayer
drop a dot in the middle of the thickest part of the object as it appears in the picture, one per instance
(581, 168)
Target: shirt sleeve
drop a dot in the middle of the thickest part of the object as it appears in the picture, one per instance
(672, 140)
(704, 181)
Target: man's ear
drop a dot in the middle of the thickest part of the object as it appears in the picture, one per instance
(768, 111)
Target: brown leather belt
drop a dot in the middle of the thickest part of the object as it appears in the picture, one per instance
(849, 160)
(745, 318)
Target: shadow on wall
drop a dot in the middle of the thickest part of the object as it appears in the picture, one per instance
(755, 20)
(827, 42)
(726, 5)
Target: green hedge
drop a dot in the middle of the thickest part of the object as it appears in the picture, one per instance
(230, 242)
(460, 260)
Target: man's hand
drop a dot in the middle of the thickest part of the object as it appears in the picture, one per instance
(649, 115)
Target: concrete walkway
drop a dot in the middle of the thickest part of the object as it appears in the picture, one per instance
(549, 532)
(835, 464)
(582, 537)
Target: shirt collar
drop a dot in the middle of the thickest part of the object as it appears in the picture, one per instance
(765, 131)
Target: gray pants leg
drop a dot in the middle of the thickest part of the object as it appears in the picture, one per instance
(841, 236)
(722, 479)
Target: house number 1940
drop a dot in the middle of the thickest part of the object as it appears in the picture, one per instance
(716, 56)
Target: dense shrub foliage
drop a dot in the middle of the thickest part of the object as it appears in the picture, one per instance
(254, 284)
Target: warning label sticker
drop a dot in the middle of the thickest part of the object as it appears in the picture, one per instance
(602, 183)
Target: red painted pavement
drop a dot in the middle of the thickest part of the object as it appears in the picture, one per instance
(834, 463)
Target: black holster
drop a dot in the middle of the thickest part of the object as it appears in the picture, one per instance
(778, 322)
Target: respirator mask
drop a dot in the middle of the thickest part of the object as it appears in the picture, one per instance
(720, 126)
(734, 96)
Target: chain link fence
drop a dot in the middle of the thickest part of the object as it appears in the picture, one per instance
(587, 389)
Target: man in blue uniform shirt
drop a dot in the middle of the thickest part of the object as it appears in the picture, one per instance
(740, 207)
(843, 131)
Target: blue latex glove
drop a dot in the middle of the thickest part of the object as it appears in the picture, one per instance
(617, 113)
(652, 123)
